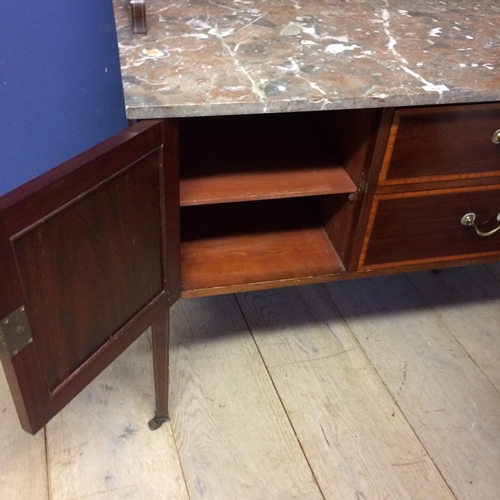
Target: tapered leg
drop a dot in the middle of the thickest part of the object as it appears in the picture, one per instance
(160, 334)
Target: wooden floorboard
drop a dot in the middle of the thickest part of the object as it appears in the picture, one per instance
(357, 441)
(450, 403)
(23, 468)
(467, 301)
(100, 447)
(233, 435)
(392, 396)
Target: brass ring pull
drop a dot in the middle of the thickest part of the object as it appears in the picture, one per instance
(495, 138)
(469, 219)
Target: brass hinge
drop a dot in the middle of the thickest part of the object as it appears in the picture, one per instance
(15, 332)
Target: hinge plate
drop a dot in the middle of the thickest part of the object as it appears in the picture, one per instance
(15, 332)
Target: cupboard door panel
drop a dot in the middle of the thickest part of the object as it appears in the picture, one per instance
(88, 256)
(87, 269)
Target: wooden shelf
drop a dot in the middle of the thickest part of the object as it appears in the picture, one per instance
(228, 248)
(245, 186)
(227, 159)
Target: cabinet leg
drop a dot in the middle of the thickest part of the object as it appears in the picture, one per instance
(160, 335)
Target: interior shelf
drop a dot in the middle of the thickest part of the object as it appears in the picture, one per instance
(242, 158)
(227, 247)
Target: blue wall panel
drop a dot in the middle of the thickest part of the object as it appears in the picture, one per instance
(60, 88)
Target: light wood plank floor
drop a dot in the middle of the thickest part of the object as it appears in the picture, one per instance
(383, 388)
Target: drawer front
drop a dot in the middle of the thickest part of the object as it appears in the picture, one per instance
(440, 143)
(416, 228)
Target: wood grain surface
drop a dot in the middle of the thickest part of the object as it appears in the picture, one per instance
(456, 140)
(343, 415)
(233, 435)
(23, 464)
(225, 246)
(101, 446)
(391, 388)
(447, 399)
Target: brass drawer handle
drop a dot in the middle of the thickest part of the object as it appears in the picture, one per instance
(495, 138)
(469, 219)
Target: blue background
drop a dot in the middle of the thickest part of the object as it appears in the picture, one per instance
(60, 87)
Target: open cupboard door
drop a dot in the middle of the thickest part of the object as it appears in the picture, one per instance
(89, 260)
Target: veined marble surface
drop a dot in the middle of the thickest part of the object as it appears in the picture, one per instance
(213, 57)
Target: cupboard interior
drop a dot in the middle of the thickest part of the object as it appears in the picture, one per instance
(260, 196)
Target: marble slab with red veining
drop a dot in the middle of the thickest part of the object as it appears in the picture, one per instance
(202, 58)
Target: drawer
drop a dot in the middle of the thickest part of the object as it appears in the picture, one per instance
(441, 143)
(421, 227)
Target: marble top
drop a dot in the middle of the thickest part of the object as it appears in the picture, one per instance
(202, 57)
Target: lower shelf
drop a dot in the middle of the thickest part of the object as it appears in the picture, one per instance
(229, 247)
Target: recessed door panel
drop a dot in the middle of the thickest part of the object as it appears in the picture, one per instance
(89, 259)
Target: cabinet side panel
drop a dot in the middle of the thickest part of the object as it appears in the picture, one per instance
(374, 162)
(170, 204)
(354, 134)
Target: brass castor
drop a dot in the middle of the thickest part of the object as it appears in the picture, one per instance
(157, 422)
